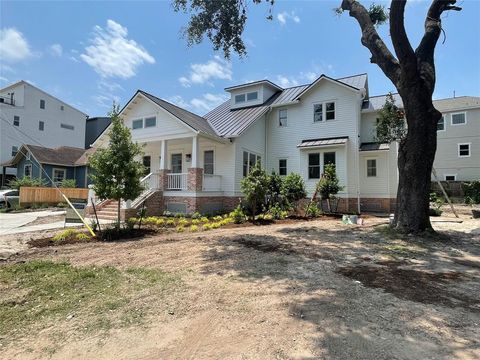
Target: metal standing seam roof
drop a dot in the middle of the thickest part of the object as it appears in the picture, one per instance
(194, 121)
(374, 146)
(323, 142)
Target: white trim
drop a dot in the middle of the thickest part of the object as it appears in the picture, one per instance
(376, 167)
(59, 169)
(469, 150)
(323, 77)
(278, 118)
(444, 124)
(31, 168)
(324, 111)
(454, 176)
(457, 113)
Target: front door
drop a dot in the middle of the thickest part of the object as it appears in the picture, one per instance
(176, 163)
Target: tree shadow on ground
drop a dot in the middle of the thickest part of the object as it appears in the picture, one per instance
(368, 295)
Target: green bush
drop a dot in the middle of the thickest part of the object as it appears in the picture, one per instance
(238, 215)
(277, 212)
(68, 183)
(65, 235)
(472, 192)
(293, 189)
(312, 210)
(27, 182)
(255, 187)
(328, 185)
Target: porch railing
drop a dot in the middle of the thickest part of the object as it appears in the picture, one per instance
(177, 181)
(212, 182)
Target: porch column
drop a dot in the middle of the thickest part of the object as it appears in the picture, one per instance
(195, 173)
(163, 171)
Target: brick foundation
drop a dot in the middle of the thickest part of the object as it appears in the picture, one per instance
(195, 179)
(193, 204)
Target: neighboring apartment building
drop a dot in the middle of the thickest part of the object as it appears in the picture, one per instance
(95, 127)
(30, 115)
(196, 163)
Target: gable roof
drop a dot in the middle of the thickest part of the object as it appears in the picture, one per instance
(63, 155)
(265, 81)
(355, 82)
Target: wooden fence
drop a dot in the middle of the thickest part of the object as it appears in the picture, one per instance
(47, 195)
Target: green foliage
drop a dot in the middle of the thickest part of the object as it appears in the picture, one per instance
(194, 228)
(238, 215)
(116, 172)
(277, 212)
(26, 181)
(328, 185)
(378, 14)
(196, 215)
(472, 192)
(274, 191)
(255, 187)
(391, 123)
(65, 235)
(293, 189)
(312, 210)
(68, 183)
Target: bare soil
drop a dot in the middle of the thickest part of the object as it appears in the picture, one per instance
(305, 290)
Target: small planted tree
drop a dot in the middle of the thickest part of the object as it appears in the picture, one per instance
(328, 186)
(293, 189)
(391, 122)
(255, 187)
(116, 170)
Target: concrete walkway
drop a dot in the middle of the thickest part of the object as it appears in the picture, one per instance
(12, 223)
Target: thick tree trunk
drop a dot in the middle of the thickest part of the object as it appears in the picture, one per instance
(415, 161)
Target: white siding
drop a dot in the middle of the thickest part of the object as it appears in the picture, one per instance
(378, 186)
(367, 127)
(27, 107)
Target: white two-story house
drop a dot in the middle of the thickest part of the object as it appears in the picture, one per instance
(196, 163)
(29, 115)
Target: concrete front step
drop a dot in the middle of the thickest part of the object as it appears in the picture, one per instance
(107, 212)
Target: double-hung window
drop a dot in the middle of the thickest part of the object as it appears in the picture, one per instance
(16, 120)
(59, 175)
(208, 162)
(42, 104)
(459, 119)
(324, 111)
(441, 124)
(371, 167)
(252, 96)
(249, 161)
(282, 167)
(27, 170)
(464, 150)
(328, 158)
(150, 122)
(330, 111)
(41, 125)
(317, 112)
(282, 117)
(314, 166)
(240, 98)
(137, 124)
(14, 150)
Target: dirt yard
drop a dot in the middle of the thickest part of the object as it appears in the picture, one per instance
(309, 290)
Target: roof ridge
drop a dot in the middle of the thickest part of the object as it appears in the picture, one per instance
(345, 77)
(168, 102)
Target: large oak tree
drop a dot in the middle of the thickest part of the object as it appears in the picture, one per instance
(412, 71)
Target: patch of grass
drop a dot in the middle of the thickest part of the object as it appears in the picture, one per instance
(400, 249)
(36, 294)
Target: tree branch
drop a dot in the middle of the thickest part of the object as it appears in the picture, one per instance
(381, 55)
(401, 44)
(426, 48)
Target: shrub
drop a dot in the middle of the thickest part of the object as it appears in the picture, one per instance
(196, 215)
(182, 222)
(180, 228)
(130, 223)
(328, 185)
(195, 221)
(238, 215)
(27, 182)
(194, 228)
(255, 187)
(274, 194)
(293, 189)
(179, 215)
(68, 183)
(472, 192)
(216, 225)
(61, 205)
(82, 237)
(204, 219)
(207, 227)
(160, 222)
(170, 222)
(277, 213)
(312, 210)
(65, 234)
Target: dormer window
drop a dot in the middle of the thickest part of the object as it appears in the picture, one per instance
(239, 98)
(252, 96)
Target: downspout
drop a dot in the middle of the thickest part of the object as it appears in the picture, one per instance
(357, 151)
(266, 137)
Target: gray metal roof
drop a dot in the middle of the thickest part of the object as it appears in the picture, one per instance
(323, 142)
(289, 95)
(194, 121)
(375, 103)
(374, 146)
(357, 81)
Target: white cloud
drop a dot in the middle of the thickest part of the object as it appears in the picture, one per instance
(200, 105)
(284, 16)
(13, 45)
(106, 101)
(203, 73)
(109, 86)
(3, 79)
(112, 54)
(304, 77)
(285, 81)
(56, 50)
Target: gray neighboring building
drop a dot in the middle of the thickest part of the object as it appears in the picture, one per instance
(95, 127)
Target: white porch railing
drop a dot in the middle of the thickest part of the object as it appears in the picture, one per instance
(150, 181)
(212, 182)
(177, 181)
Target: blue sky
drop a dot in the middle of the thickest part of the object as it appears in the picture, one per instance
(90, 53)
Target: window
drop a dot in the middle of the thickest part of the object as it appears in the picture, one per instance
(441, 124)
(464, 150)
(330, 111)
(137, 124)
(328, 158)
(249, 161)
(27, 170)
(459, 119)
(282, 117)
(59, 175)
(42, 104)
(151, 122)
(282, 167)
(239, 98)
(41, 125)
(371, 167)
(146, 161)
(66, 126)
(14, 150)
(252, 96)
(208, 162)
(314, 166)
(317, 113)
(176, 163)
(450, 177)
(62, 107)
(16, 120)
